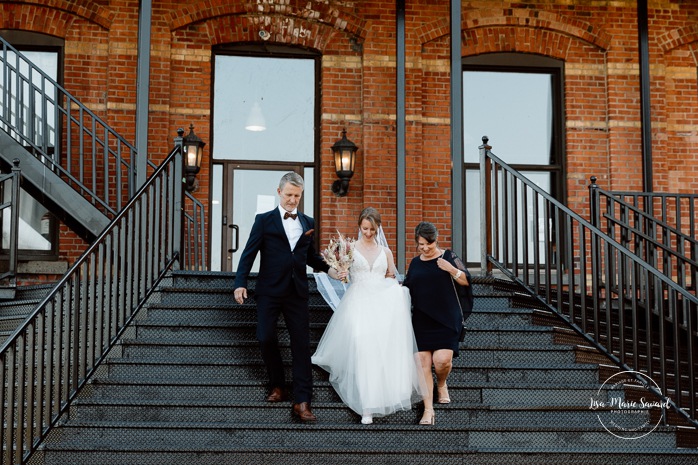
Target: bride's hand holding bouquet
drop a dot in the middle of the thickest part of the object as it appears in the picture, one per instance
(339, 255)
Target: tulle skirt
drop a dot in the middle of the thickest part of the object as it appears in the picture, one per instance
(370, 351)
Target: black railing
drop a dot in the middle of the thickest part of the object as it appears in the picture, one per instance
(658, 227)
(678, 210)
(634, 314)
(9, 213)
(193, 256)
(48, 359)
(64, 134)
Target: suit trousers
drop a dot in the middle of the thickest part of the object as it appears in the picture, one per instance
(295, 311)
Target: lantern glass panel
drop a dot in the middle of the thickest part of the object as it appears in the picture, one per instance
(347, 164)
(193, 156)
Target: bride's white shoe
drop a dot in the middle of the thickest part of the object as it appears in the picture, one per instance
(367, 419)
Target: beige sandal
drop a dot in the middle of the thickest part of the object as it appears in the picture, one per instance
(443, 395)
(428, 418)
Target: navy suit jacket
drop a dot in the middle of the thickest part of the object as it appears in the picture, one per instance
(280, 267)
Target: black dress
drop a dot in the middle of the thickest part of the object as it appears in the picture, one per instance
(436, 315)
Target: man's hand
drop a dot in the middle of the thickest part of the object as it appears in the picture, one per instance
(240, 294)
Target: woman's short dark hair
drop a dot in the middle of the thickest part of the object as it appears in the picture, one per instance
(427, 231)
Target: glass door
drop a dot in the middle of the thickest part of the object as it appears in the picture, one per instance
(260, 132)
(244, 191)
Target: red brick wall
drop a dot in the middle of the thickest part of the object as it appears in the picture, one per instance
(596, 40)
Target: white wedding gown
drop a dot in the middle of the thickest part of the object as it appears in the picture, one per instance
(369, 347)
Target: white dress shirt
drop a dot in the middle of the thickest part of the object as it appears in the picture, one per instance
(292, 227)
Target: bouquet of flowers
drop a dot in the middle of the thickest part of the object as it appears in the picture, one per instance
(339, 254)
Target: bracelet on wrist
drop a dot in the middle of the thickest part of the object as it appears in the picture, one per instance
(457, 275)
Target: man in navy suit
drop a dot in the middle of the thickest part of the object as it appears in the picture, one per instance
(284, 237)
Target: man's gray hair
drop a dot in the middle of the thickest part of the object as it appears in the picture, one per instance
(293, 178)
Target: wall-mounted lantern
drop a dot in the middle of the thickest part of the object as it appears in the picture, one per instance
(193, 151)
(344, 152)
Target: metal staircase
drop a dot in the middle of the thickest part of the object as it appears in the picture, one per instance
(71, 160)
(185, 385)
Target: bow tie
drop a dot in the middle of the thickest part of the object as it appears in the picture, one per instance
(290, 215)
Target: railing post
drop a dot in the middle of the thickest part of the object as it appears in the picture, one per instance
(178, 195)
(594, 202)
(14, 222)
(595, 220)
(485, 208)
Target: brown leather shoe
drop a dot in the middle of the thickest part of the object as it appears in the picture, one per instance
(277, 395)
(303, 413)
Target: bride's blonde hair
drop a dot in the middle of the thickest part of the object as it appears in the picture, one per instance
(372, 215)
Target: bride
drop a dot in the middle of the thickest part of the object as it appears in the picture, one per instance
(368, 347)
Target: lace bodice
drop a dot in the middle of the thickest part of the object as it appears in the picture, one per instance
(362, 268)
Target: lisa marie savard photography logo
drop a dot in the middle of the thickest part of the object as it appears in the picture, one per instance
(626, 407)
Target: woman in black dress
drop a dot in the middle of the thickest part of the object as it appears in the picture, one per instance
(436, 313)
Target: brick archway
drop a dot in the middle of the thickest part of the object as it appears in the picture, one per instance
(292, 23)
(505, 29)
(56, 19)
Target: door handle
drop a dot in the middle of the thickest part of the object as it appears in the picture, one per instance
(235, 228)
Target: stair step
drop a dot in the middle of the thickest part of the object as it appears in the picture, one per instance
(469, 356)
(230, 330)
(467, 415)
(514, 337)
(253, 369)
(220, 436)
(461, 394)
(16, 308)
(305, 456)
(227, 315)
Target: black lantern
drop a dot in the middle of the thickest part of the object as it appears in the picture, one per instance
(193, 148)
(344, 158)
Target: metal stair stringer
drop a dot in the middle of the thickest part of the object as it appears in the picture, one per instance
(50, 190)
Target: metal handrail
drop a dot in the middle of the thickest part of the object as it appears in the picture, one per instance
(64, 134)
(679, 210)
(616, 301)
(637, 227)
(49, 358)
